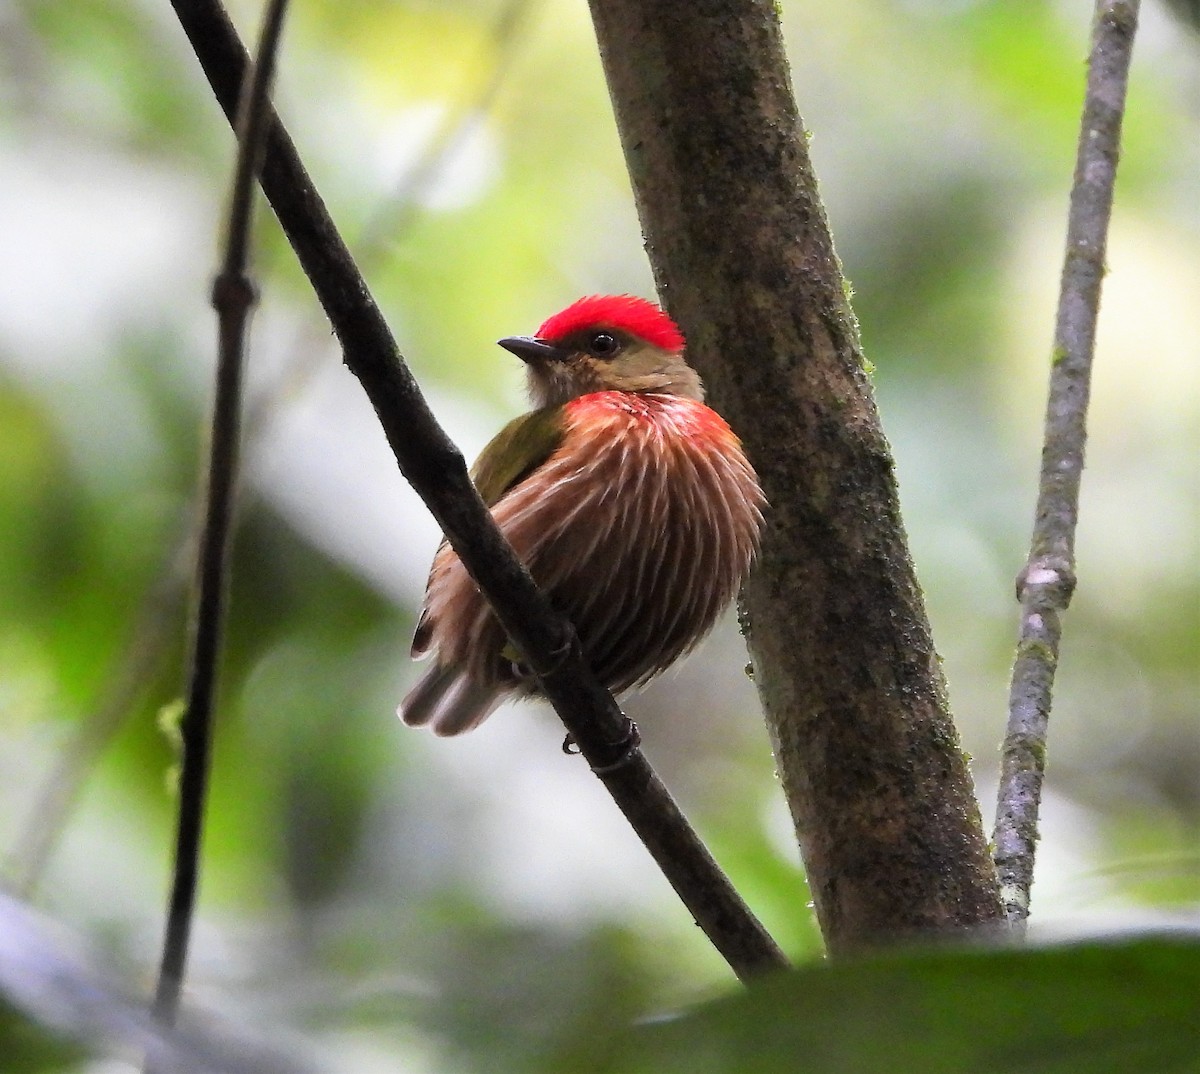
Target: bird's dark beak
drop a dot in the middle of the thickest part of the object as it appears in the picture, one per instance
(532, 350)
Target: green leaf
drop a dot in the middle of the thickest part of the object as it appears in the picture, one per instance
(1119, 1007)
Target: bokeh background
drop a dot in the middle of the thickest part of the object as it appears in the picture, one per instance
(387, 901)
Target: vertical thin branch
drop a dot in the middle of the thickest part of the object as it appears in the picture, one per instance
(233, 297)
(149, 637)
(1046, 582)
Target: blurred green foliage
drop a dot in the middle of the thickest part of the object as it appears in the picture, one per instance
(29, 1049)
(1099, 1009)
(403, 903)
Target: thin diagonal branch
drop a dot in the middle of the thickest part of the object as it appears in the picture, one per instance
(233, 297)
(1046, 582)
(438, 472)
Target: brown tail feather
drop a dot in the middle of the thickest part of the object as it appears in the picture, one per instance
(421, 702)
(447, 702)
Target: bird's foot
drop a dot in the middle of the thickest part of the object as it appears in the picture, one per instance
(561, 653)
(626, 746)
(524, 674)
(623, 748)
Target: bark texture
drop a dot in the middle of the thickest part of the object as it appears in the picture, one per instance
(843, 659)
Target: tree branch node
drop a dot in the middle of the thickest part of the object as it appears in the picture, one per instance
(1046, 582)
(233, 293)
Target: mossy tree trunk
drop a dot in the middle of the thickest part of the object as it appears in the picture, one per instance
(844, 661)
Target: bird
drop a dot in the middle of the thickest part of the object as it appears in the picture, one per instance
(630, 501)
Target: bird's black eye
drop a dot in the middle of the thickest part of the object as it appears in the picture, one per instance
(603, 344)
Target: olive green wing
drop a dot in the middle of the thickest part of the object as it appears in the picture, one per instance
(516, 451)
(511, 456)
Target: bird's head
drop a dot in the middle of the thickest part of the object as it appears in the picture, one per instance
(605, 343)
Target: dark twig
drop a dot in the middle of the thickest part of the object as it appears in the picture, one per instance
(232, 297)
(150, 636)
(438, 472)
(1047, 580)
